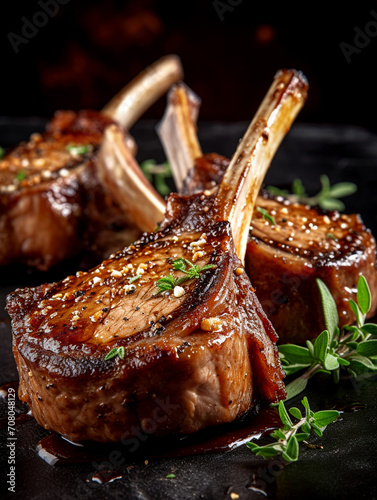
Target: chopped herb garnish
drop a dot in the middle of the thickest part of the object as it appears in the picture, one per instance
(330, 236)
(78, 149)
(158, 174)
(21, 175)
(117, 351)
(266, 215)
(287, 438)
(327, 198)
(191, 271)
(2, 152)
(353, 347)
(134, 278)
(170, 476)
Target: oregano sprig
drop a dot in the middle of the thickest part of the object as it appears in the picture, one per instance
(288, 437)
(351, 347)
(327, 198)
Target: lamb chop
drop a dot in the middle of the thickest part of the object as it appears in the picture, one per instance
(293, 246)
(52, 205)
(166, 336)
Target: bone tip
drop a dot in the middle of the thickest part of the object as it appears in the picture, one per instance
(297, 77)
(174, 61)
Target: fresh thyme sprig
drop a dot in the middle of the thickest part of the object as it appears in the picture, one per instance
(191, 271)
(351, 347)
(158, 173)
(266, 215)
(327, 198)
(287, 438)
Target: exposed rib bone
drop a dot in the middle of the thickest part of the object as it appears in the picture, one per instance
(177, 131)
(126, 183)
(136, 97)
(248, 167)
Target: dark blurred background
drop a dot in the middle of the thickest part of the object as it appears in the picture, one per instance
(84, 53)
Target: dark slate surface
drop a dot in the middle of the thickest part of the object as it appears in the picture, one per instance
(344, 468)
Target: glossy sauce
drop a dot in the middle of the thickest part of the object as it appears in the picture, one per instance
(55, 450)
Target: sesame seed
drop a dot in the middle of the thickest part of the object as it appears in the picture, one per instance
(116, 274)
(198, 255)
(46, 174)
(211, 324)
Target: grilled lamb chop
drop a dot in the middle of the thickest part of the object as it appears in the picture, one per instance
(52, 205)
(304, 244)
(198, 354)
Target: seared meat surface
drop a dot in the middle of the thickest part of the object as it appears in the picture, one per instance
(51, 202)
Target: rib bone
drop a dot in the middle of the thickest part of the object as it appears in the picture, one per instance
(125, 182)
(137, 96)
(177, 131)
(248, 167)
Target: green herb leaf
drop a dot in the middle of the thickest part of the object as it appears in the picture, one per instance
(291, 451)
(266, 215)
(365, 362)
(21, 175)
(330, 236)
(2, 152)
(166, 283)
(331, 362)
(326, 198)
(284, 417)
(370, 328)
(117, 351)
(78, 149)
(298, 188)
(296, 354)
(343, 189)
(295, 412)
(363, 295)
(192, 271)
(325, 417)
(330, 310)
(134, 278)
(357, 312)
(367, 348)
(180, 265)
(170, 476)
(157, 174)
(321, 346)
(296, 387)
